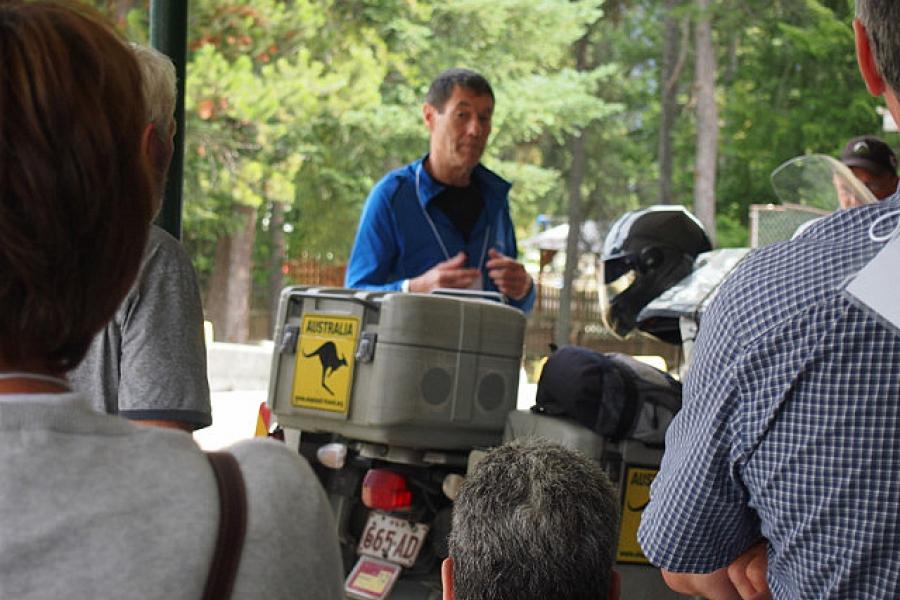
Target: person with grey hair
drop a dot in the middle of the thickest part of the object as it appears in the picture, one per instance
(149, 363)
(443, 220)
(782, 471)
(533, 520)
(158, 87)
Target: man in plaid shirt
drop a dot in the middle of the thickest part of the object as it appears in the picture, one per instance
(782, 471)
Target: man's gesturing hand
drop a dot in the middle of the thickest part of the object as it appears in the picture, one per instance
(451, 273)
(508, 275)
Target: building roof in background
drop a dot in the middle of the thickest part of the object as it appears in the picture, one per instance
(555, 238)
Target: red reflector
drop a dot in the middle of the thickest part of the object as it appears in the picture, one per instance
(385, 490)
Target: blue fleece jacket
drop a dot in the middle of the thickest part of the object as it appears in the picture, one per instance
(395, 242)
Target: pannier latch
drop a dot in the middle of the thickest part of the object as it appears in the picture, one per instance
(289, 338)
(366, 350)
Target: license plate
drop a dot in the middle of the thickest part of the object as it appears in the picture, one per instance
(392, 539)
(371, 579)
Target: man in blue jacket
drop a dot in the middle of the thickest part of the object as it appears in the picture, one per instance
(443, 220)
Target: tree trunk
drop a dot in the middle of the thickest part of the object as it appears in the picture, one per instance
(228, 295)
(576, 177)
(674, 53)
(276, 262)
(562, 335)
(707, 123)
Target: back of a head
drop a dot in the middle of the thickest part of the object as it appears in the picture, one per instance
(159, 86)
(75, 191)
(442, 86)
(534, 520)
(881, 19)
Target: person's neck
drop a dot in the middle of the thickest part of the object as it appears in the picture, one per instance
(447, 175)
(30, 379)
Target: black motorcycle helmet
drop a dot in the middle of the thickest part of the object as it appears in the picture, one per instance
(645, 252)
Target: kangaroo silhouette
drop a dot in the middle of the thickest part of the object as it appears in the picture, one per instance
(329, 359)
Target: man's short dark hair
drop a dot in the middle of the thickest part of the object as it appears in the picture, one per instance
(881, 19)
(442, 87)
(75, 190)
(534, 520)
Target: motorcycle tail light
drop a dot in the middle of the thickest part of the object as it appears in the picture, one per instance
(383, 489)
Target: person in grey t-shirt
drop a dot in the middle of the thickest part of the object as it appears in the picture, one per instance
(149, 364)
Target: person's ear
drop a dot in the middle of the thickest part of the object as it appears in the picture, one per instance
(148, 141)
(866, 59)
(615, 586)
(428, 115)
(156, 150)
(447, 578)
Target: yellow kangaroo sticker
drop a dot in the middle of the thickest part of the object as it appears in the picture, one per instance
(637, 496)
(324, 370)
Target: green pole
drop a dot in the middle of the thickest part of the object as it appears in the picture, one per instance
(168, 34)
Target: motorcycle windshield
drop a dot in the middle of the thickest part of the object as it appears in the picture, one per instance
(819, 181)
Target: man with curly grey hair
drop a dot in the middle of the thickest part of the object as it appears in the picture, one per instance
(533, 521)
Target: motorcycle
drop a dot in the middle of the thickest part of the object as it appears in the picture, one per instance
(393, 397)
(389, 397)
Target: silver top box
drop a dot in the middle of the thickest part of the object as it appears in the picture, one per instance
(422, 371)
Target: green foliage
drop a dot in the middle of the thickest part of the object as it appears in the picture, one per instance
(796, 89)
(309, 102)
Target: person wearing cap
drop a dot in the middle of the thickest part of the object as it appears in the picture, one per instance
(874, 164)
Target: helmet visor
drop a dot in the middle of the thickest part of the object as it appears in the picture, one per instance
(622, 279)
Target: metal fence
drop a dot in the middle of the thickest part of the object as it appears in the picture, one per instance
(770, 223)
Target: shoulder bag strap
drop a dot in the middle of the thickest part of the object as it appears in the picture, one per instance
(232, 526)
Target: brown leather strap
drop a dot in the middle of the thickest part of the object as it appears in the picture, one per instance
(232, 526)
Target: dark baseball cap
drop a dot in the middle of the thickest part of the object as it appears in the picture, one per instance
(870, 153)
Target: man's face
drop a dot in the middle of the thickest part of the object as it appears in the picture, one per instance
(460, 132)
(881, 186)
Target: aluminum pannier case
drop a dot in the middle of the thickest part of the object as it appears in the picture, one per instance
(411, 370)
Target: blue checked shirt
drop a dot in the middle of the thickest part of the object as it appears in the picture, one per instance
(790, 428)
